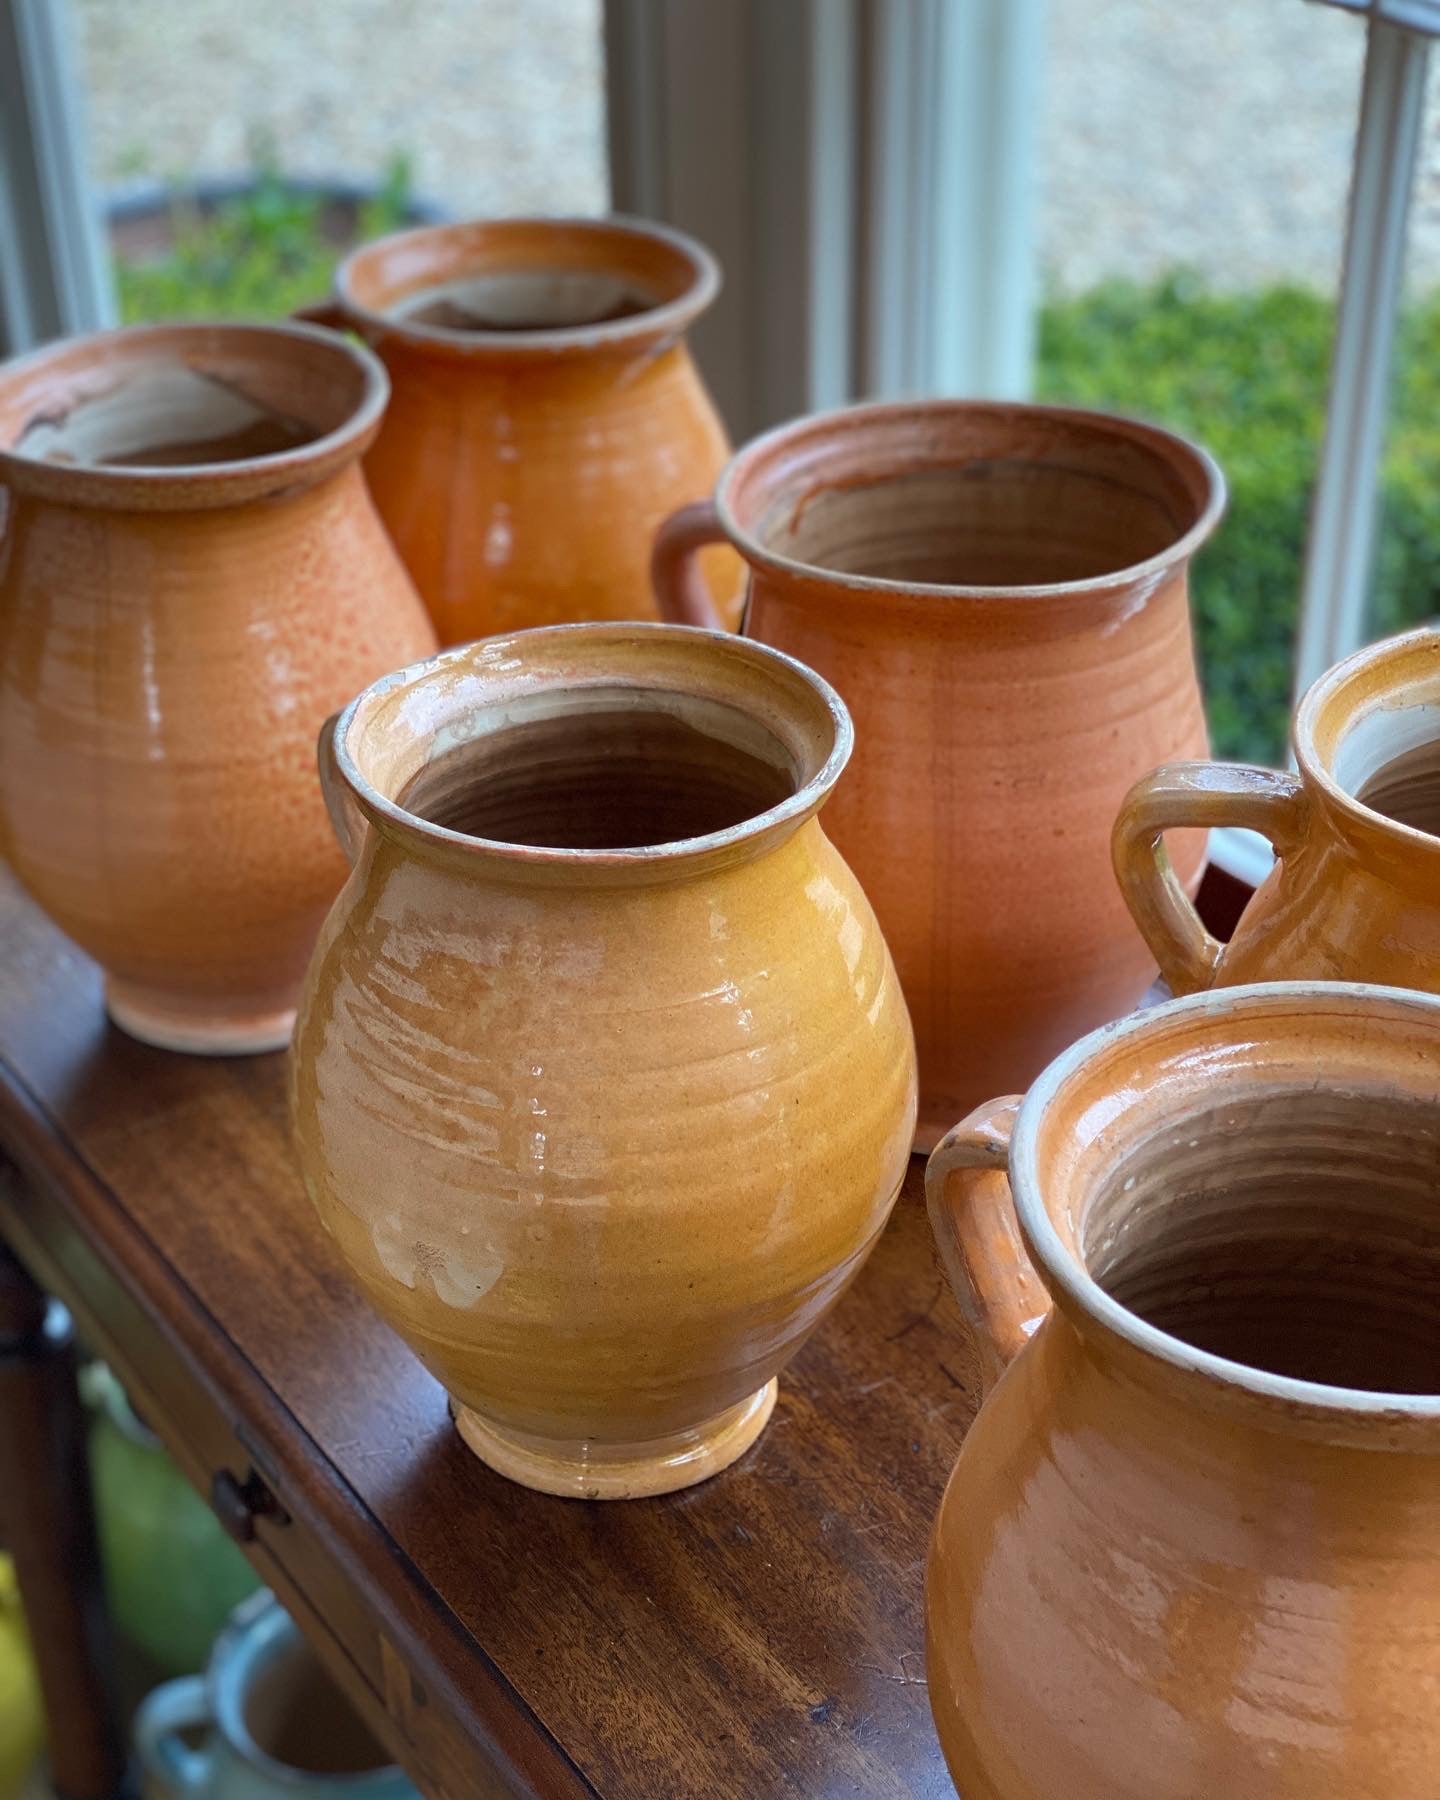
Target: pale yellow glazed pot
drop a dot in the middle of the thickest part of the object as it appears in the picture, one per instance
(1190, 1547)
(602, 1080)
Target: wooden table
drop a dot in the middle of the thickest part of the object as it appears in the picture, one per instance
(759, 1635)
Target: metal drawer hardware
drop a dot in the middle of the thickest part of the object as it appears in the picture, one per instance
(239, 1504)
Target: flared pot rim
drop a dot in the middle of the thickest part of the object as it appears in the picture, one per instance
(257, 1632)
(195, 486)
(663, 322)
(1063, 1269)
(1147, 574)
(680, 855)
(1316, 739)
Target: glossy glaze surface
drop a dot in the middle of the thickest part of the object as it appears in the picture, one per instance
(1355, 895)
(525, 461)
(999, 593)
(1189, 1545)
(170, 639)
(602, 1132)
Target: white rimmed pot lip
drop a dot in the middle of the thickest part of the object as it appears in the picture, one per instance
(744, 461)
(806, 799)
(272, 469)
(669, 319)
(1064, 1271)
(252, 1639)
(1320, 694)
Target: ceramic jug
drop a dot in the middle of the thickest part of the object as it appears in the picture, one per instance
(603, 1081)
(1355, 894)
(546, 413)
(276, 1727)
(191, 578)
(172, 1577)
(999, 594)
(1190, 1546)
(22, 1719)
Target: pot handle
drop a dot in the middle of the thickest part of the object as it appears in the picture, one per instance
(972, 1213)
(346, 819)
(680, 589)
(1177, 796)
(328, 313)
(166, 1712)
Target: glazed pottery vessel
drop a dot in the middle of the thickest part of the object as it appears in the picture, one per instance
(546, 412)
(603, 1081)
(999, 594)
(1355, 894)
(1190, 1546)
(172, 1577)
(191, 577)
(22, 1719)
(275, 1726)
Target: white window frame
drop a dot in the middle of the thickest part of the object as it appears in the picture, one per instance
(55, 274)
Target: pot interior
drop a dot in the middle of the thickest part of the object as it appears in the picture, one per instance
(295, 1715)
(1294, 1229)
(524, 300)
(182, 398)
(1383, 727)
(609, 769)
(522, 275)
(970, 496)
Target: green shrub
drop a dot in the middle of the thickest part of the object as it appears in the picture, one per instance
(1247, 374)
(259, 255)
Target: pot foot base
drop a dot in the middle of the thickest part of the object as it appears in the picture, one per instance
(196, 1032)
(589, 1471)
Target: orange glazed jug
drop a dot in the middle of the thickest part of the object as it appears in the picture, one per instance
(999, 592)
(191, 577)
(546, 413)
(1355, 891)
(603, 1081)
(1191, 1546)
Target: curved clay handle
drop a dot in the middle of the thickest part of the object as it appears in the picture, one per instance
(182, 1705)
(346, 819)
(679, 586)
(1176, 797)
(328, 313)
(972, 1214)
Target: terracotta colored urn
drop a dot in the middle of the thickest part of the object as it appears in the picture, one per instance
(191, 577)
(999, 593)
(603, 1079)
(1355, 894)
(546, 414)
(1190, 1546)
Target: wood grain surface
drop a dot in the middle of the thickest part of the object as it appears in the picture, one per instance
(758, 1635)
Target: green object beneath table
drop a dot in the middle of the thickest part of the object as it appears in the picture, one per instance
(172, 1575)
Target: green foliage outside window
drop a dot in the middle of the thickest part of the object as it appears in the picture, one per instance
(1247, 375)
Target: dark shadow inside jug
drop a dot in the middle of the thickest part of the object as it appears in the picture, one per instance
(606, 770)
(1003, 522)
(1407, 788)
(1296, 1232)
(296, 1716)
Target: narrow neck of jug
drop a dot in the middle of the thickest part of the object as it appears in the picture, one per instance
(597, 755)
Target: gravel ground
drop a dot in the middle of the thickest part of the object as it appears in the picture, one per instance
(1216, 135)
